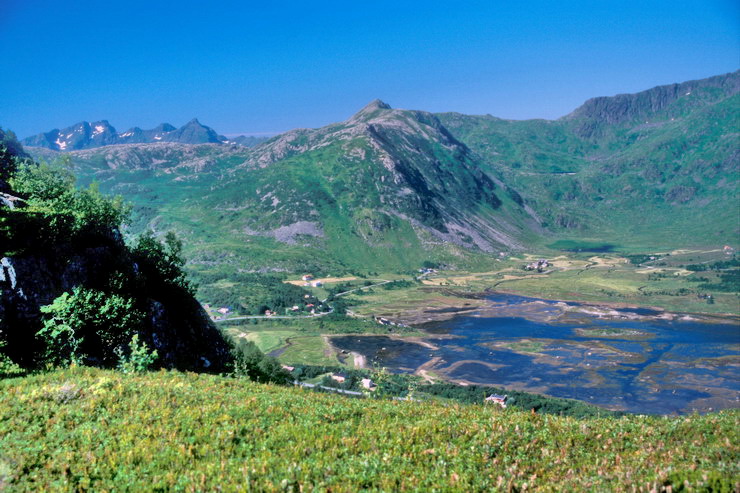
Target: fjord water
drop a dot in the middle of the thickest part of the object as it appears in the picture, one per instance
(649, 366)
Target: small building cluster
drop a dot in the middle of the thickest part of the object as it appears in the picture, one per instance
(310, 281)
(539, 266)
(497, 399)
(339, 377)
(366, 383)
(389, 323)
(217, 313)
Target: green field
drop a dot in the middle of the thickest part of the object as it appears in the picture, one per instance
(607, 279)
(611, 278)
(308, 350)
(92, 430)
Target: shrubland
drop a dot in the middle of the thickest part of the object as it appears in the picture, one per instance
(85, 429)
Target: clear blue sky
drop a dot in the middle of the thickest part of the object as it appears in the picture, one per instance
(269, 66)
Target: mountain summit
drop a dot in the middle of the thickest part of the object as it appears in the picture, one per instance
(86, 135)
(373, 108)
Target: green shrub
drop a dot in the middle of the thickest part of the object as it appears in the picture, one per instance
(138, 358)
(87, 326)
(252, 363)
(7, 367)
(161, 262)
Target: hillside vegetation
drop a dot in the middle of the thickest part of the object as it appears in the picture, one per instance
(388, 189)
(72, 290)
(94, 430)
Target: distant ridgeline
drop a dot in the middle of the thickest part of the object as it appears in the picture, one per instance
(86, 135)
(60, 248)
(389, 189)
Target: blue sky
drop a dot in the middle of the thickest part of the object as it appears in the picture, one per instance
(251, 67)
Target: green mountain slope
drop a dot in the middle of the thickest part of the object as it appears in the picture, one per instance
(384, 189)
(389, 189)
(95, 430)
(654, 169)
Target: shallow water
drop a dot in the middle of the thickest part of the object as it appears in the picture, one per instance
(652, 366)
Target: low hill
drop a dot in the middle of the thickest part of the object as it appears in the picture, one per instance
(85, 429)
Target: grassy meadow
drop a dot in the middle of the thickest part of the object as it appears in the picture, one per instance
(84, 429)
(663, 283)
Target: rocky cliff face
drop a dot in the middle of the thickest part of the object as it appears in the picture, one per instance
(37, 266)
(177, 326)
(656, 104)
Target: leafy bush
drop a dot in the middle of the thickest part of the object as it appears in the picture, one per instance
(88, 326)
(638, 259)
(7, 367)
(161, 262)
(399, 284)
(50, 193)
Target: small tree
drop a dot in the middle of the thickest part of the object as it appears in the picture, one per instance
(162, 262)
(247, 357)
(381, 377)
(138, 358)
(252, 363)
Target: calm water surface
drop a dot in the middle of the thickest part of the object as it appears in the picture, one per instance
(653, 366)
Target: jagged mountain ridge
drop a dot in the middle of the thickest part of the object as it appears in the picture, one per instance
(391, 187)
(85, 135)
(384, 187)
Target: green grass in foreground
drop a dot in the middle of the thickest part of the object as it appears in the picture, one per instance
(87, 429)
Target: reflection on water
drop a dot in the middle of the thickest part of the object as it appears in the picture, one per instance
(651, 366)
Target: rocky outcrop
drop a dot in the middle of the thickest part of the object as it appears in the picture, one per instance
(175, 324)
(40, 260)
(644, 107)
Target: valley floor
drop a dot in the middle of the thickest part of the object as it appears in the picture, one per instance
(603, 285)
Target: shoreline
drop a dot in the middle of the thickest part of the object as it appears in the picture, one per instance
(470, 303)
